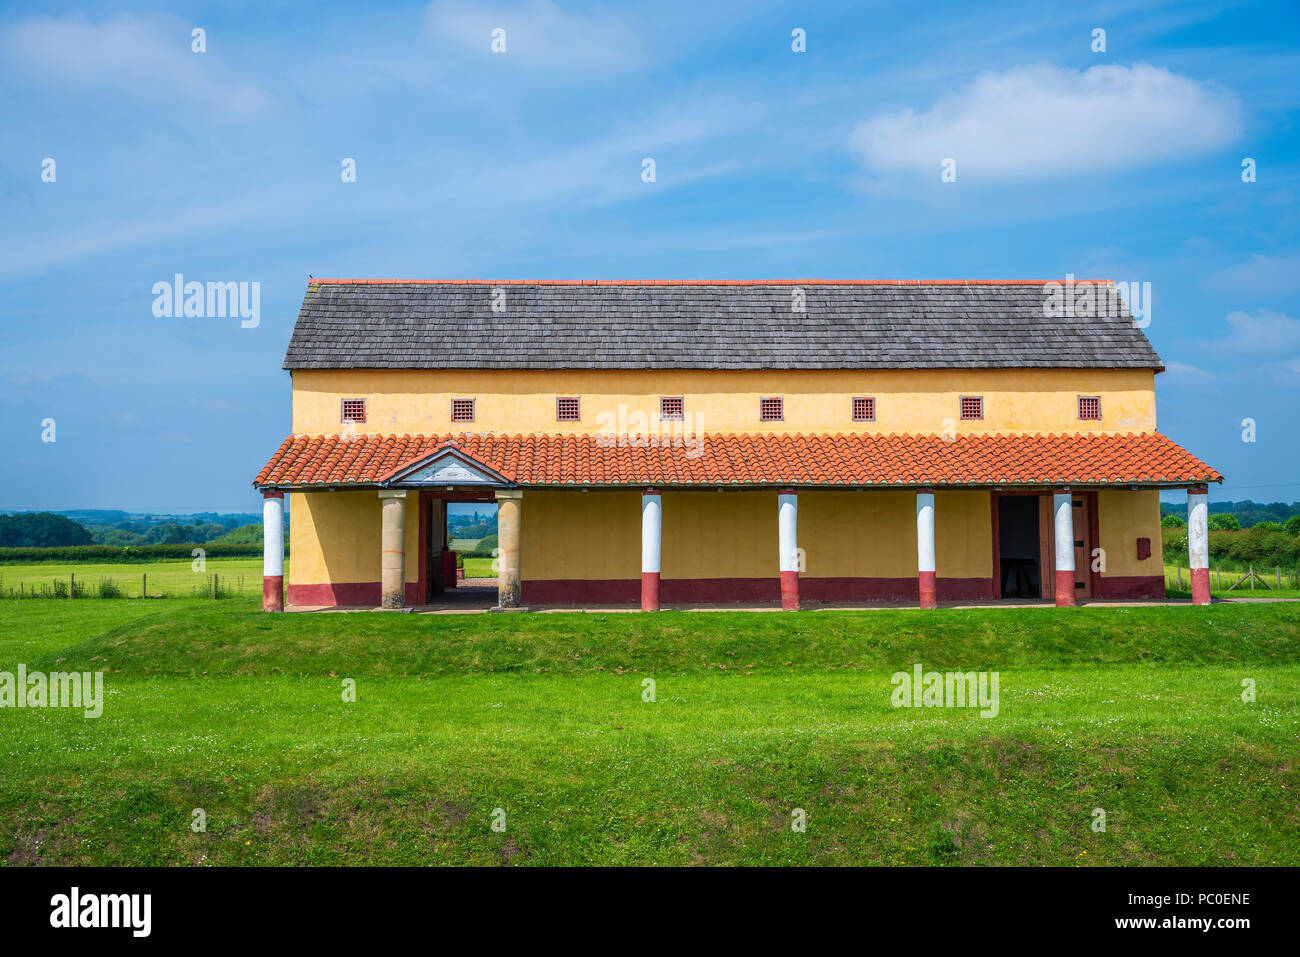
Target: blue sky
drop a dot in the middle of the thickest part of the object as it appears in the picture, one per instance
(225, 165)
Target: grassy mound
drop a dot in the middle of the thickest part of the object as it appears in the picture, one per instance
(226, 639)
(543, 722)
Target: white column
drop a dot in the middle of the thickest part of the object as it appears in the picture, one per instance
(272, 551)
(1198, 544)
(925, 564)
(273, 536)
(651, 538)
(1063, 525)
(787, 529)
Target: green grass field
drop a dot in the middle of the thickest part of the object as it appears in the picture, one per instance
(171, 578)
(479, 568)
(213, 705)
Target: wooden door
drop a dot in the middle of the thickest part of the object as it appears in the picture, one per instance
(1082, 548)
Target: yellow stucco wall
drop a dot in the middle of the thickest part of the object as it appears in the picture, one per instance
(1124, 516)
(627, 401)
(588, 535)
(334, 537)
(963, 534)
(857, 534)
(719, 535)
(597, 535)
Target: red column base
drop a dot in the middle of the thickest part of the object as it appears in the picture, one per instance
(1064, 588)
(1200, 586)
(789, 591)
(649, 591)
(272, 593)
(929, 589)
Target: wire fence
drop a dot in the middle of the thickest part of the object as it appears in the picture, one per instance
(1236, 581)
(215, 586)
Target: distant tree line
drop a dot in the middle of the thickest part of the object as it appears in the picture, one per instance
(1266, 544)
(41, 530)
(50, 530)
(1248, 514)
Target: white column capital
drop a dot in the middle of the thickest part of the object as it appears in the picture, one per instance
(385, 493)
(509, 494)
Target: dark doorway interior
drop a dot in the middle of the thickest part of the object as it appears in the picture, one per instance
(1018, 546)
(435, 543)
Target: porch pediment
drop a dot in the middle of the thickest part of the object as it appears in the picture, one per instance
(447, 465)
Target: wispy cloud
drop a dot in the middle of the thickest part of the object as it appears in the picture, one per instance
(1047, 122)
(1266, 331)
(1261, 274)
(1181, 373)
(145, 57)
(539, 35)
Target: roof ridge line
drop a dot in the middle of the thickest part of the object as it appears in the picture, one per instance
(316, 280)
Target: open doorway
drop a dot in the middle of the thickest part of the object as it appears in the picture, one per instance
(1019, 546)
(459, 536)
(471, 533)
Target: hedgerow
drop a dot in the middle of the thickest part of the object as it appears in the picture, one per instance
(126, 553)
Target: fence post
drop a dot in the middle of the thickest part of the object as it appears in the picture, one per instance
(214, 585)
(72, 585)
(144, 584)
(1252, 577)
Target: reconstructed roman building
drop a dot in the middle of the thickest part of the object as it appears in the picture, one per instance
(683, 442)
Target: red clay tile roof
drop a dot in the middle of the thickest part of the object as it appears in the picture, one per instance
(750, 459)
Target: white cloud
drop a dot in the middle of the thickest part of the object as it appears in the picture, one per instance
(540, 35)
(1180, 373)
(1262, 274)
(148, 57)
(1265, 331)
(1043, 122)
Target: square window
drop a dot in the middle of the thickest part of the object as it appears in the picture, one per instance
(1090, 407)
(972, 407)
(672, 408)
(864, 409)
(462, 410)
(771, 409)
(354, 410)
(567, 409)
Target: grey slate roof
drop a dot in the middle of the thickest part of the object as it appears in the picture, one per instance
(878, 325)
